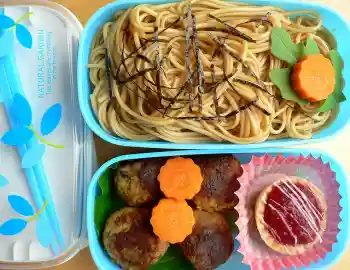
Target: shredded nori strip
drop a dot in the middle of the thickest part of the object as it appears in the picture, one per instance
(250, 84)
(242, 108)
(224, 47)
(144, 58)
(233, 30)
(151, 40)
(255, 105)
(186, 85)
(214, 29)
(158, 65)
(201, 80)
(144, 98)
(215, 96)
(259, 21)
(145, 40)
(265, 90)
(108, 74)
(139, 74)
(187, 56)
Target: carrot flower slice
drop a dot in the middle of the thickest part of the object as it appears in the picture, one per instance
(180, 178)
(313, 78)
(172, 220)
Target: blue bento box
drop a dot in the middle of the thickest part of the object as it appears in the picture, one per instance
(331, 19)
(103, 261)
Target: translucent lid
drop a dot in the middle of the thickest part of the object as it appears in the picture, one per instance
(46, 151)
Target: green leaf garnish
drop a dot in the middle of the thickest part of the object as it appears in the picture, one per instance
(341, 97)
(280, 78)
(104, 183)
(231, 222)
(310, 48)
(337, 96)
(103, 203)
(337, 63)
(107, 202)
(329, 104)
(173, 259)
(103, 207)
(231, 218)
(283, 47)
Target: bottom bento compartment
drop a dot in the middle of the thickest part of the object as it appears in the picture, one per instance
(311, 185)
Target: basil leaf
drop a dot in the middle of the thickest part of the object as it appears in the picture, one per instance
(280, 78)
(310, 48)
(329, 104)
(283, 47)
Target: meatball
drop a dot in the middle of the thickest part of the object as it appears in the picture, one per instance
(129, 239)
(137, 183)
(210, 244)
(220, 182)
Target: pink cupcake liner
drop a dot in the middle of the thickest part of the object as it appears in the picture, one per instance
(262, 172)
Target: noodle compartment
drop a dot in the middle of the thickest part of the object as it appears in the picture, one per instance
(194, 72)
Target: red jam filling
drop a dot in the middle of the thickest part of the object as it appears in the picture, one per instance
(293, 214)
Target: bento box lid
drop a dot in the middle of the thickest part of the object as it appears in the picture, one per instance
(47, 155)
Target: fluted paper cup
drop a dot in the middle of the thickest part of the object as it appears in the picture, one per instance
(260, 173)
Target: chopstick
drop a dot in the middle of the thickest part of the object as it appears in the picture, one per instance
(11, 85)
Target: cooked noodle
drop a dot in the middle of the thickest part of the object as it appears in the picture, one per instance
(136, 109)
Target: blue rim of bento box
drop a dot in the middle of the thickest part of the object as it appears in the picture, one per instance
(332, 20)
(338, 249)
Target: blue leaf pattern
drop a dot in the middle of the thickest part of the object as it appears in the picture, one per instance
(24, 36)
(6, 22)
(33, 156)
(3, 181)
(44, 232)
(21, 205)
(17, 136)
(13, 226)
(51, 119)
(21, 109)
(6, 43)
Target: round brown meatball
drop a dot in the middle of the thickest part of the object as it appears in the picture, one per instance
(210, 244)
(220, 182)
(129, 239)
(137, 183)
